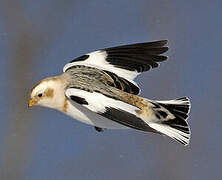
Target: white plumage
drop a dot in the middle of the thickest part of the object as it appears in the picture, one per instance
(97, 59)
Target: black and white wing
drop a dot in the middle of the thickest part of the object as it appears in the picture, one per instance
(112, 109)
(125, 61)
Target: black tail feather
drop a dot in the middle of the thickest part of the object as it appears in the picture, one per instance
(173, 121)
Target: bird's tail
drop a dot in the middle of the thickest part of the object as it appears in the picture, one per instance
(172, 118)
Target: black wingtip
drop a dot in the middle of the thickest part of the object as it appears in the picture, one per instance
(164, 42)
(159, 43)
(138, 57)
(152, 44)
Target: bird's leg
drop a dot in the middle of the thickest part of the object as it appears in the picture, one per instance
(98, 129)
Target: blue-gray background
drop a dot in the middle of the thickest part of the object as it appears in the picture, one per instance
(38, 37)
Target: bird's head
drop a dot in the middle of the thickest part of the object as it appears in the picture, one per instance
(48, 93)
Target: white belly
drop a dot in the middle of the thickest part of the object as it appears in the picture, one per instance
(84, 115)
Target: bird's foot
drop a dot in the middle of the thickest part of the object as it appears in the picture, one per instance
(98, 129)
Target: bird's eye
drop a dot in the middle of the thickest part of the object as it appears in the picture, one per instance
(40, 95)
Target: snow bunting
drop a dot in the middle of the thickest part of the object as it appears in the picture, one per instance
(99, 89)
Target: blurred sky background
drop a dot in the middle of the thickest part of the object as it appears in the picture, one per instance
(37, 38)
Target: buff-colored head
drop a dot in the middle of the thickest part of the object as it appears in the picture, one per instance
(48, 93)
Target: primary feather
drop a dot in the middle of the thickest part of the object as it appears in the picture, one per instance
(126, 61)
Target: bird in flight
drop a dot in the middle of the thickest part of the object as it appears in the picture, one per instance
(98, 89)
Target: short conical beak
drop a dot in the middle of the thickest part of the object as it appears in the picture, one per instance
(32, 102)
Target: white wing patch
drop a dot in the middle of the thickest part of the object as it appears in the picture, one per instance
(125, 61)
(97, 59)
(98, 102)
(112, 109)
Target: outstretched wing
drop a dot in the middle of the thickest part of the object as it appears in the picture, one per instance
(109, 108)
(125, 61)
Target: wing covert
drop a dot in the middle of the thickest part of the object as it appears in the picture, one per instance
(93, 79)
